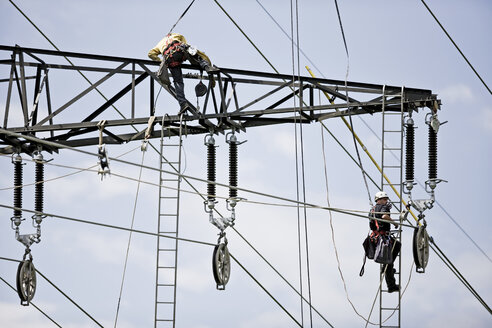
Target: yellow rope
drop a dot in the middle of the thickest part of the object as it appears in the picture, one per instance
(366, 150)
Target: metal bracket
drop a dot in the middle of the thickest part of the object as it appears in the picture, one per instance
(222, 222)
(28, 239)
(421, 204)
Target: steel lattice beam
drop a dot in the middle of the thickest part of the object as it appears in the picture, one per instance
(221, 109)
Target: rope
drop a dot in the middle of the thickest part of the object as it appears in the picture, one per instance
(31, 303)
(347, 99)
(377, 136)
(382, 275)
(184, 13)
(333, 230)
(347, 152)
(436, 201)
(129, 241)
(456, 46)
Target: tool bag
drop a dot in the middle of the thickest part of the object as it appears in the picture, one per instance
(383, 253)
(369, 245)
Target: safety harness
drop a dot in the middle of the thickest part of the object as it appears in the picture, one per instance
(371, 241)
(174, 54)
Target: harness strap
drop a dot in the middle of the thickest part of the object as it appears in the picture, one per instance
(169, 53)
(361, 273)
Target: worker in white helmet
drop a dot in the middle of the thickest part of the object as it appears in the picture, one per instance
(175, 50)
(382, 211)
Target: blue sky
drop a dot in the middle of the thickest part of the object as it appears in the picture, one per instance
(396, 43)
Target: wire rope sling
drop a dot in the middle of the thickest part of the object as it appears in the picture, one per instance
(26, 272)
(221, 264)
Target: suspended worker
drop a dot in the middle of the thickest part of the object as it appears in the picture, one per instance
(382, 228)
(175, 50)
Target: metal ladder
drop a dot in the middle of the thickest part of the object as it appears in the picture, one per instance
(167, 225)
(392, 132)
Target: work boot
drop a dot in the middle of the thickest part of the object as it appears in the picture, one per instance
(393, 288)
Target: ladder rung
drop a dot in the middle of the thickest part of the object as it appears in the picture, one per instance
(165, 302)
(167, 249)
(392, 149)
(166, 267)
(170, 145)
(391, 167)
(167, 320)
(168, 214)
(169, 197)
(385, 308)
(392, 113)
(166, 285)
(391, 130)
(168, 232)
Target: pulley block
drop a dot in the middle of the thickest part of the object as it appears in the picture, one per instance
(221, 265)
(26, 281)
(420, 248)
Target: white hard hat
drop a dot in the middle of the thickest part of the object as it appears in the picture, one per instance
(380, 194)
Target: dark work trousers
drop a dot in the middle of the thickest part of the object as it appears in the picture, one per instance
(177, 75)
(389, 275)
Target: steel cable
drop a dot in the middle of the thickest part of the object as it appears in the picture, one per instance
(377, 136)
(52, 284)
(299, 248)
(456, 46)
(31, 303)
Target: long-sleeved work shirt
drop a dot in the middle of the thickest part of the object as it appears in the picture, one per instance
(167, 40)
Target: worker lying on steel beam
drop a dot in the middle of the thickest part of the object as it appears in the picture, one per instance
(175, 50)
